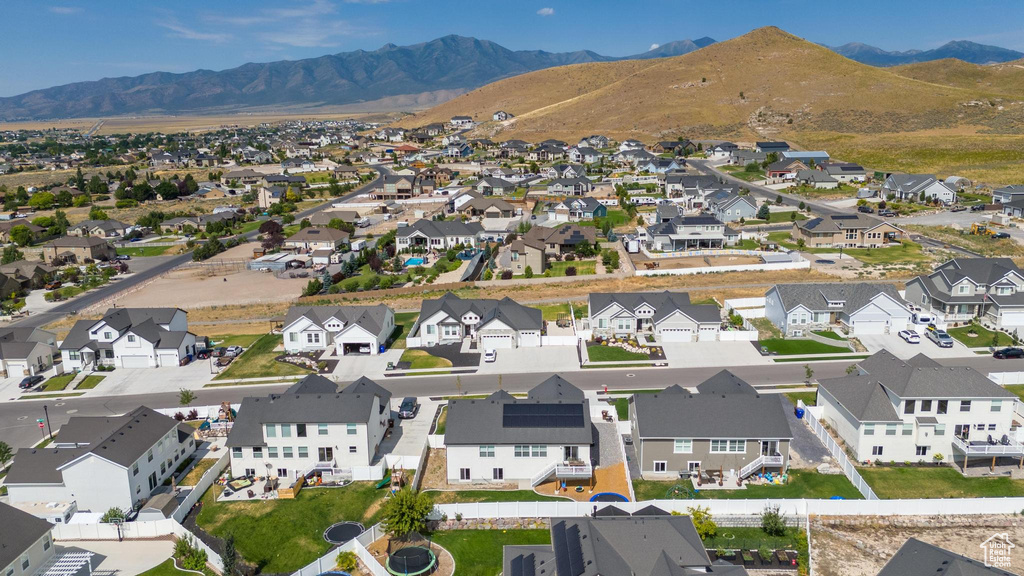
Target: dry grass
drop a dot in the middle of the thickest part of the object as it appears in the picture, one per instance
(1006, 79)
(186, 123)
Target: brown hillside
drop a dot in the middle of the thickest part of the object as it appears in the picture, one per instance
(788, 85)
(1005, 79)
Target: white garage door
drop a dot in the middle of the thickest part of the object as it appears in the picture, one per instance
(1013, 318)
(16, 369)
(677, 335)
(494, 342)
(708, 334)
(168, 359)
(135, 361)
(863, 327)
(529, 339)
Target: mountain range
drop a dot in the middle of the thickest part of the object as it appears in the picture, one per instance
(390, 78)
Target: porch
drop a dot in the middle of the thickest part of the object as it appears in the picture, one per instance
(991, 448)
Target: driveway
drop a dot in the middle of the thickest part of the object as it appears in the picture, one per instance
(902, 349)
(352, 367)
(806, 451)
(408, 436)
(709, 354)
(126, 381)
(533, 359)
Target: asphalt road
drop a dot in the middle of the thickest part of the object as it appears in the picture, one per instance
(19, 429)
(106, 291)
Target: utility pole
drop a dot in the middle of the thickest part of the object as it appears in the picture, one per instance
(47, 414)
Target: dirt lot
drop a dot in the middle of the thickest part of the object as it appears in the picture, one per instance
(861, 546)
(699, 262)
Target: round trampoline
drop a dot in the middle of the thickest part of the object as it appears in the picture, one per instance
(343, 532)
(411, 561)
(608, 497)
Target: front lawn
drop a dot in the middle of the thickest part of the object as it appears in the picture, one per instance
(809, 398)
(830, 335)
(479, 552)
(792, 347)
(981, 336)
(937, 482)
(422, 360)
(143, 251)
(259, 361)
(613, 354)
(450, 497)
(282, 536)
(742, 173)
(58, 383)
(403, 324)
(802, 484)
(89, 382)
(442, 421)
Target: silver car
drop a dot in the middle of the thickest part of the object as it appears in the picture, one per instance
(941, 338)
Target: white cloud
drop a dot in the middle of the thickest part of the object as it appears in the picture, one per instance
(65, 10)
(546, 11)
(654, 47)
(180, 31)
(307, 25)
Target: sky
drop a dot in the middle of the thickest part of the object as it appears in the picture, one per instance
(48, 43)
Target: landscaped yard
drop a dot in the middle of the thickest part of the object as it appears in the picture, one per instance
(58, 383)
(422, 360)
(282, 536)
(981, 336)
(751, 538)
(136, 251)
(583, 267)
(165, 568)
(792, 347)
(802, 484)
(259, 361)
(831, 335)
(403, 324)
(479, 552)
(613, 354)
(906, 253)
(89, 382)
(193, 476)
(243, 340)
(449, 497)
(936, 482)
(551, 312)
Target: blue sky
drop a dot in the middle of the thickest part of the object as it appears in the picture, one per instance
(50, 43)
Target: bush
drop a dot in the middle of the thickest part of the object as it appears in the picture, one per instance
(180, 417)
(126, 203)
(347, 562)
(570, 257)
(570, 271)
(528, 272)
(506, 274)
(701, 517)
(386, 282)
(773, 522)
(112, 515)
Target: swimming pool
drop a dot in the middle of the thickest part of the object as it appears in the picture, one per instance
(414, 262)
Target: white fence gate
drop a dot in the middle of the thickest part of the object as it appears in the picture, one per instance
(837, 452)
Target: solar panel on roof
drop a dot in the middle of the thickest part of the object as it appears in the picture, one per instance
(560, 546)
(572, 540)
(542, 415)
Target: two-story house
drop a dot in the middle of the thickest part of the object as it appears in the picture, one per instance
(493, 186)
(562, 239)
(129, 338)
(437, 234)
(492, 323)
(27, 542)
(504, 439)
(858, 308)
(579, 186)
(729, 206)
(915, 410)
(962, 289)
(349, 329)
(312, 428)
(727, 426)
(848, 231)
(668, 316)
(317, 238)
(691, 233)
(576, 209)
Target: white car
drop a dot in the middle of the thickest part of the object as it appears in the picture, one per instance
(910, 336)
(490, 355)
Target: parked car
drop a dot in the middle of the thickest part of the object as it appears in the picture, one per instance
(218, 352)
(30, 381)
(1009, 353)
(123, 257)
(886, 213)
(52, 285)
(921, 319)
(941, 338)
(408, 408)
(977, 208)
(910, 336)
(233, 351)
(203, 353)
(1001, 235)
(958, 209)
(490, 355)
(866, 209)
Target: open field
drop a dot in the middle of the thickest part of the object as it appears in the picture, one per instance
(696, 261)
(984, 245)
(187, 123)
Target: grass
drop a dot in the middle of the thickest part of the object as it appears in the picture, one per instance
(621, 408)
(906, 253)
(479, 552)
(403, 324)
(57, 395)
(442, 421)
(765, 328)
(752, 538)
(89, 382)
(58, 383)
(937, 482)
(143, 251)
(452, 496)
(613, 354)
(583, 268)
(820, 358)
(259, 361)
(742, 173)
(421, 359)
(983, 336)
(606, 366)
(193, 476)
(282, 536)
(1017, 389)
(831, 335)
(165, 568)
(551, 312)
(793, 347)
(802, 484)
(243, 340)
(809, 398)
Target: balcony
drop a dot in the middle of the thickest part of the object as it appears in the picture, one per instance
(1002, 447)
(762, 461)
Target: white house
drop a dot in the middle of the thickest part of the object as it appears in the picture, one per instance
(503, 439)
(665, 315)
(437, 234)
(910, 187)
(492, 323)
(349, 329)
(101, 462)
(858, 308)
(26, 351)
(310, 429)
(130, 338)
(27, 542)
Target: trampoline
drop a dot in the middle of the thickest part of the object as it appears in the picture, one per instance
(608, 497)
(342, 532)
(411, 561)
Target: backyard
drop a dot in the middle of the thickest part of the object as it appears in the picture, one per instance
(143, 251)
(551, 312)
(936, 482)
(403, 324)
(479, 552)
(259, 361)
(802, 484)
(793, 347)
(976, 336)
(449, 497)
(583, 268)
(165, 568)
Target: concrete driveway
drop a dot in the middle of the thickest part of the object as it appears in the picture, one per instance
(351, 368)
(408, 436)
(709, 354)
(902, 349)
(124, 381)
(533, 359)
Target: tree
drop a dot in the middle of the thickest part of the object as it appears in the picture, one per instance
(347, 562)
(96, 186)
(41, 201)
(5, 454)
(228, 555)
(701, 517)
(186, 397)
(763, 213)
(802, 205)
(528, 272)
(534, 169)
(406, 512)
(97, 213)
(851, 368)
(792, 216)
(11, 254)
(21, 235)
(271, 227)
(112, 515)
(808, 372)
(773, 522)
(305, 224)
(79, 179)
(63, 198)
(800, 243)
(313, 288)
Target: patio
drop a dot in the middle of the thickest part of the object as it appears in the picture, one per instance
(259, 489)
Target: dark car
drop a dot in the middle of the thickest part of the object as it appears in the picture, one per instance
(408, 408)
(1009, 353)
(218, 351)
(1001, 235)
(203, 353)
(30, 381)
(977, 208)
(866, 209)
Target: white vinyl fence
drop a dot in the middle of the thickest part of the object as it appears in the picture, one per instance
(802, 264)
(133, 531)
(837, 452)
(201, 487)
(737, 336)
(357, 545)
(1006, 378)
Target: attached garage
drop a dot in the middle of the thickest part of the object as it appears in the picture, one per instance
(529, 338)
(17, 368)
(168, 358)
(866, 327)
(347, 348)
(677, 335)
(135, 361)
(1012, 319)
(496, 341)
(709, 334)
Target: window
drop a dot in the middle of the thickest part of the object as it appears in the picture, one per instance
(152, 481)
(108, 354)
(257, 452)
(660, 466)
(923, 450)
(236, 452)
(313, 338)
(131, 337)
(997, 405)
(943, 404)
(463, 473)
(539, 451)
(430, 330)
(321, 429)
(991, 427)
(979, 427)
(498, 474)
(352, 450)
(908, 429)
(908, 406)
(46, 542)
(303, 452)
(271, 451)
(73, 355)
(926, 405)
(487, 451)
(522, 451)
(271, 431)
(300, 430)
(250, 471)
(733, 446)
(293, 337)
(10, 571)
(286, 451)
(890, 429)
(962, 289)
(876, 450)
(683, 446)
(869, 429)
(24, 562)
(106, 335)
(135, 469)
(282, 472)
(163, 468)
(940, 429)
(350, 429)
(149, 456)
(286, 430)
(965, 405)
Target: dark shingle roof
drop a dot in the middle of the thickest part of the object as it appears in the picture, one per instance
(916, 558)
(817, 296)
(664, 303)
(18, 532)
(370, 318)
(512, 313)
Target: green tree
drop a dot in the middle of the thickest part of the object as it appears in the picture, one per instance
(186, 397)
(41, 201)
(763, 213)
(702, 521)
(228, 555)
(63, 198)
(97, 213)
(528, 272)
(11, 254)
(772, 521)
(305, 224)
(406, 512)
(114, 514)
(96, 186)
(21, 235)
(808, 372)
(313, 287)
(5, 454)
(79, 179)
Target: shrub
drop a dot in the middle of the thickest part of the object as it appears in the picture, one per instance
(506, 274)
(193, 414)
(772, 521)
(112, 515)
(528, 272)
(347, 562)
(570, 271)
(179, 416)
(570, 257)
(765, 553)
(406, 512)
(126, 203)
(701, 517)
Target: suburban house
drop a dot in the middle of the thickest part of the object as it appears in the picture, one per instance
(769, 147)
(913, 410)
(729, 206)
(312, 428)
(661, 166)
(1008, 194)
(270, 195)
(437, 234)
(584, 155)
(26, 351)
(102, 462)
(857, 308)
(491, 323)
(349, 329)
(576, 209)
(402, 187)
(727, 428)
(744, 157)
(316, 238)
(129, 338)
(562, 239)
(27, 542)
(461, 121)
(564, 171)
(816, 179)
(525, 253)
(917, 558)
(77, 250)
(911, 186)
(324, 217)
(782, 170)
(651, 542)
(297, 165)
(691, 233)
(844, 172)
(487, 208)
(721, 150)
(578, 186)
(491, 186)
(962, 289)
(101, 228)
(27, 274)
(7, 225)
(504, 439)
(668, 316)
(847, 230)
(1013, 208)
(501, 116)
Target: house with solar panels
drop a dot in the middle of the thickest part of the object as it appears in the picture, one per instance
(502, 439)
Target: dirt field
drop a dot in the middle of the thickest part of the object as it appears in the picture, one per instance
(863, 548)
(699, 262)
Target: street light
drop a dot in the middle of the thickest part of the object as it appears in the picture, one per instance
(47, 415)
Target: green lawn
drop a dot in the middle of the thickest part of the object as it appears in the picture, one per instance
(742, 173)
(258, 361)
(165, 568)
(818, 358)
(442, 421)
(143, 250)
(423, 360)
(831, 335)
(243, 340)
(448, 497)
(583, 267)
(937, 482)
(802, 484)
(58, 383)
(479, 552)
(906, 253)
(613, 354)
(809, 398)
(551, 312)
(282, 536)
(983, 336)
(1017, 389)
(403, 324)
(89, 382)
(792, 347)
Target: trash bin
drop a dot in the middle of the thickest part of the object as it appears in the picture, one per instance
(800, 413)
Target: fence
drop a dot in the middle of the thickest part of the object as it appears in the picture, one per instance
(837, 452)
(435, 440)
(559, 341)
(201, 487)
(742, 303)
(134, 530)
(1006, 378)
(737, 336)
(802, 264)
(357, 545)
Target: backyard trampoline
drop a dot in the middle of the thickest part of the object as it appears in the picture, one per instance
(608, 497)
(412, 561)
(342, 532)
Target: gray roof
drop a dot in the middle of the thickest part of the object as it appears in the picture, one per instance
(512, 313)
(19, 530)
(78, 336)
(916, 558)
(664, 303)
(121, 318)
(370, 318)
(441, 228)
(839, 222)
(815, 297)
(482, 421)
(981, 271)
(309, 401)
(911, 182)
(714, 413)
